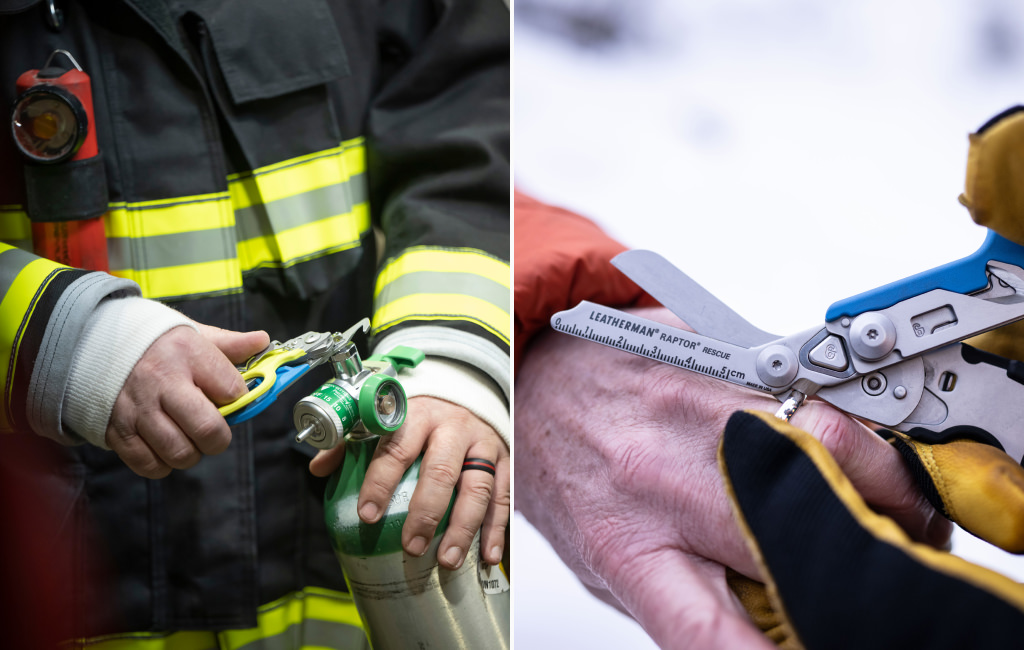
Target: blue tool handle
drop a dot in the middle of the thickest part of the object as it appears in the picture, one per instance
(286, 376)
(962, 276)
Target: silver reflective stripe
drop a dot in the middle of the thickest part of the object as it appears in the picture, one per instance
(433, 282)
(159, 251)
(265, 219)
(12, 261)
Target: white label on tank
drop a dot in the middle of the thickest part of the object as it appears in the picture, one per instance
(492, 579)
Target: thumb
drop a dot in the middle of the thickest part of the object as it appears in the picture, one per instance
(236, 346)
(974, 484)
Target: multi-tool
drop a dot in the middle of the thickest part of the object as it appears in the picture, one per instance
(363, 393)
(891, 355)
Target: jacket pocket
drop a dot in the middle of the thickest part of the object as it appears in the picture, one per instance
(299, 46)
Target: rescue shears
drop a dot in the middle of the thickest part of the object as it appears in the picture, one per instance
(280, 365)
(892, 355)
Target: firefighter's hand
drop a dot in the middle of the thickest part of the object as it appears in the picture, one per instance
(447, 434)
(616, 466)
(166, 415)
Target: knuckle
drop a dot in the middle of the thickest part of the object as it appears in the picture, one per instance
(376, 487)
(120, 434)
(463, 532)
(182, 457)
(478, 492)
(426, 519)
(496, 531)
(211, 434)
(835, 432)
(502, 495)
(633, 463)
(440, 475)
(394, 453)
(149, 468)
(669, 393)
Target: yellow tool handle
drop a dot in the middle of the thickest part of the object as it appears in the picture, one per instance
(266, 369)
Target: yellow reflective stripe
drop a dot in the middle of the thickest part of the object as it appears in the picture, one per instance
(306, 241)
(298, 175)
(430, 283)
(223, 276)
(439, 306)
(187, 640)
(458, 260)
(169, 217)
(188, 246)
(311, 605)
(302, 208)
(17, 305)
(206, 215)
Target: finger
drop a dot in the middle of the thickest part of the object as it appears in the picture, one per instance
(394, 454)
(215, 374)
(475, 491)
(236, 346)
(682, 601)
(876, 470)
(198, 418)
(167, 440)
(326, 461)
(124, 440)
(492, 534)
(440, 470)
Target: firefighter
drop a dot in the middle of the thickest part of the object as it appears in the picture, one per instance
(261, 169)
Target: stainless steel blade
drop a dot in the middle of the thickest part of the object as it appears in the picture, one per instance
(688, 300)
(660, 342)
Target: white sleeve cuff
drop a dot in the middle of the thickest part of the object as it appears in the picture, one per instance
(115, 338)
(460, 384)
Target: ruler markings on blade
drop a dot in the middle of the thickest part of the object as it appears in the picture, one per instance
(700, 354)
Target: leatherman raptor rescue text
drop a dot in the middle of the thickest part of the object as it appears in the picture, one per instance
(891, 355)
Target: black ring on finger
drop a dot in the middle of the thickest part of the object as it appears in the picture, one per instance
(481, 464)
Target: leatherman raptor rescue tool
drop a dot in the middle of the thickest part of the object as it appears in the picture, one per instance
(891, 355)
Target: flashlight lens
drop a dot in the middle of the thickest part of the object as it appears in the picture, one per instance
(49, 124)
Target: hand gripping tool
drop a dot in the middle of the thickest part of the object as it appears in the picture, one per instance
(891, 355)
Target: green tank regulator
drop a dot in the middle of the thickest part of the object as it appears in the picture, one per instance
(364, 397)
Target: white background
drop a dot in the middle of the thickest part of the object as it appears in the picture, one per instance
(786, 154)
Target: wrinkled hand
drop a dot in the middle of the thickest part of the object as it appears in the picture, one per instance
(617, 468)
(166, 415)
(447, 434)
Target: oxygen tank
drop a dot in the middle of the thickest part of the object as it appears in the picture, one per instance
(404, 601)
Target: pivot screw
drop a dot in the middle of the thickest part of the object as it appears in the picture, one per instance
(872, 336)
(777, 366)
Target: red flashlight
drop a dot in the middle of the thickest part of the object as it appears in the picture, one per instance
(53, 126)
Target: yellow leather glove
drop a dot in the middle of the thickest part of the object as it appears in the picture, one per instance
(838, 575)
(973, 484)
(994, 195)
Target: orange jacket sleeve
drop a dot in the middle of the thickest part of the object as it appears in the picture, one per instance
(561, 258)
